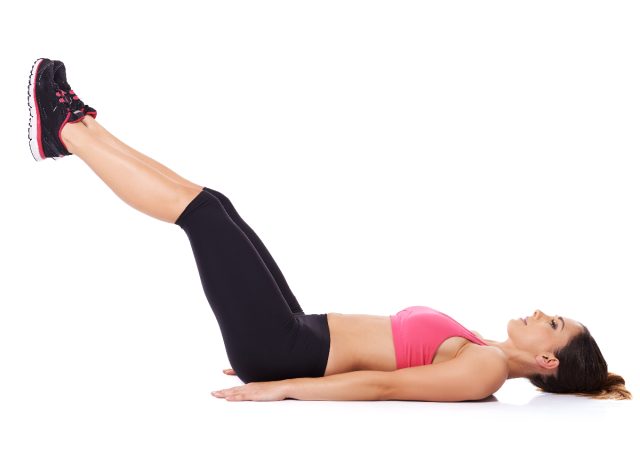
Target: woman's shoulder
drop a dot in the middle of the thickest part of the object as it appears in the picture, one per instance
(491, 355)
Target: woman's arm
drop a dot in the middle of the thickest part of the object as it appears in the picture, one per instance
(473, 375)
(357, 385)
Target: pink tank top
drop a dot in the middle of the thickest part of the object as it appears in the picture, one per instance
(418, 331)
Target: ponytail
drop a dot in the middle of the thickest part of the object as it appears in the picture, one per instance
(613, 389)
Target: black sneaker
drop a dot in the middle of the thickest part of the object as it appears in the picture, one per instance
(60, 77)
(50, 109)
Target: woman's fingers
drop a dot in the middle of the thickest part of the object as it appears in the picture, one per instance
(254, 391)
(228, 393)
(229, 371)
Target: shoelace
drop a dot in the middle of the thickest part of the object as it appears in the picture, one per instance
(63, 95)
(70, 98)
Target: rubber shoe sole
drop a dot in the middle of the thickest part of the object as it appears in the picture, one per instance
(35, 129)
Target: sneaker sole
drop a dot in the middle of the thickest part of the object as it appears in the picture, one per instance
(35, 129)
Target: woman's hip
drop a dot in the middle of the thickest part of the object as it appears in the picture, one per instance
(300, 349)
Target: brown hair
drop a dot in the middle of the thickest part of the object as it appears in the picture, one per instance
(582, 371)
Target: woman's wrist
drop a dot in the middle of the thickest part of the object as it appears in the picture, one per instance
(289, 386)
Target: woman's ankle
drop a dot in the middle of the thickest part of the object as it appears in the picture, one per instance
(89, 121)
(72, 134)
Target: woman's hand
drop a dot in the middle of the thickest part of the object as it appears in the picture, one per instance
(254, 391)
(229, 371)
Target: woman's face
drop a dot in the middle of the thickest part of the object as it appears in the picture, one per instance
(542, 333)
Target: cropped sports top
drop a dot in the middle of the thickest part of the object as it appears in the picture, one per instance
(418, 331)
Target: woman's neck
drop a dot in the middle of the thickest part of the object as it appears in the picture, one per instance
(521, 363)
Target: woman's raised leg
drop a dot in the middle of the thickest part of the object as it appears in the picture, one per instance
(98, 131)
(264, 341)
(135, 182)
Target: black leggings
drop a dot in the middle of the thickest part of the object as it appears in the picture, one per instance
(266, 334)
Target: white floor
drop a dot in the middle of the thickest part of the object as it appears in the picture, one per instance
(123, 426)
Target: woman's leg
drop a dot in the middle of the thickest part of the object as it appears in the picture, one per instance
(264, 341)
(137, 184)
(102, 133)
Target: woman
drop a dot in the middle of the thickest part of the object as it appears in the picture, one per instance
(275, 348)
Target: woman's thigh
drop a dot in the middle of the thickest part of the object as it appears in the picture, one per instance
(262, 337)
(266, 256)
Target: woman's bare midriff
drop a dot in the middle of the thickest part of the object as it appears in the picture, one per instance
(365, 342)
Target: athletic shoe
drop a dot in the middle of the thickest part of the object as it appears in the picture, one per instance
(50, 109)
(60, 77)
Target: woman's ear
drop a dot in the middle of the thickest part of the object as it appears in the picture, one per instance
(547, 361)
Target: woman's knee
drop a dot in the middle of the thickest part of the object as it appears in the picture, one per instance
(216, 193)
(226, 203)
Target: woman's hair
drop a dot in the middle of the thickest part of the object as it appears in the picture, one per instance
(582, 371)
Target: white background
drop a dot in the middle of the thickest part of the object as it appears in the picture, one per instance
(479, 158)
